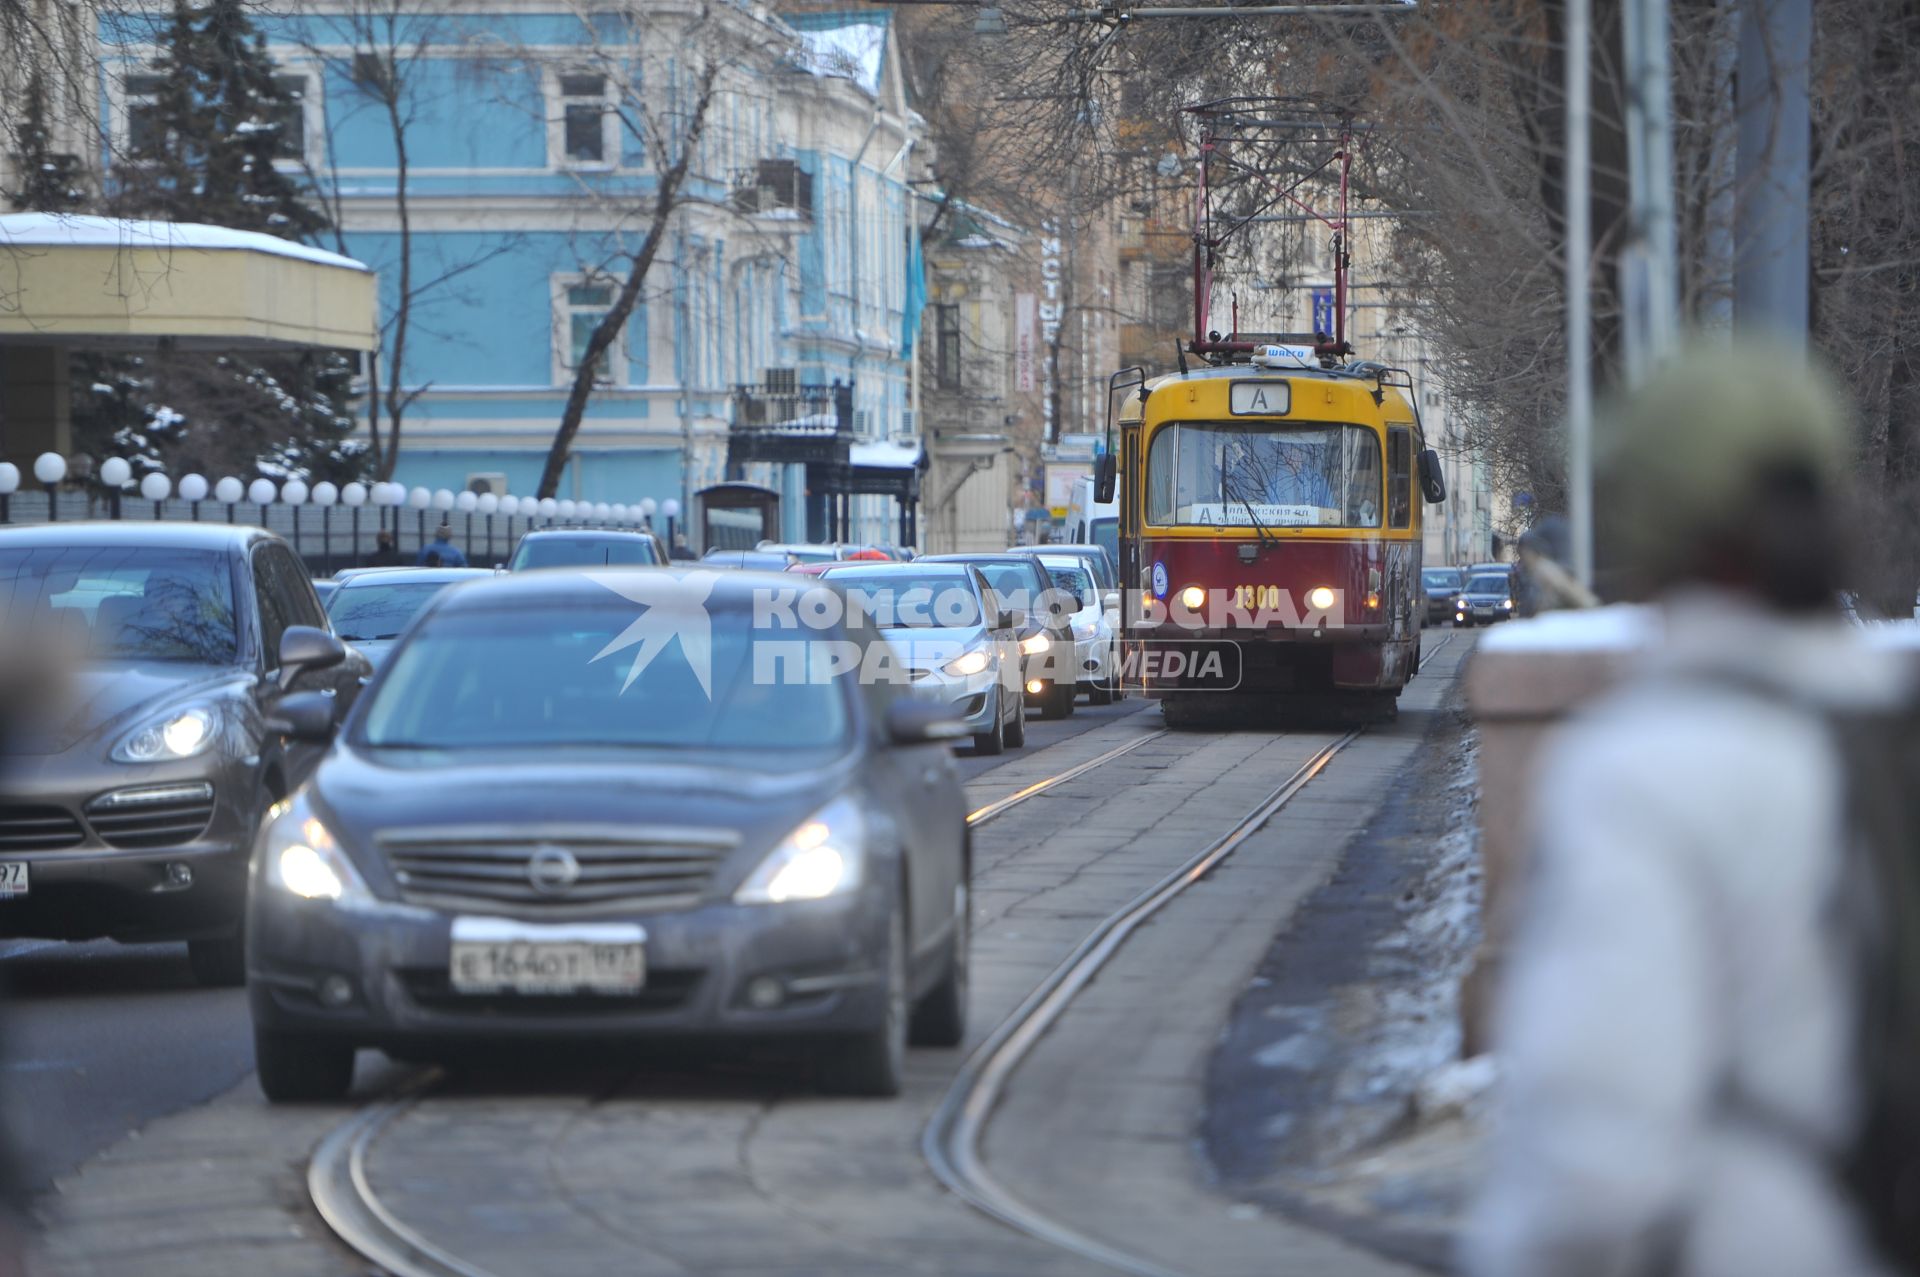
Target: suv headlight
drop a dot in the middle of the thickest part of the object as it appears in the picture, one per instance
(825, 856)
(298, 854)
(969, 663)
(177, 734)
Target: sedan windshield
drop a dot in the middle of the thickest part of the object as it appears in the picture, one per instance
(1220, 474)
(1489, 584)
(582, 552)
(900, 601)
(579, 676)
(1072, 578)
(125, 603)
(378, 611)
(1440, 579)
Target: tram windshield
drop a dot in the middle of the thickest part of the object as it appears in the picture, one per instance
(1233, 474)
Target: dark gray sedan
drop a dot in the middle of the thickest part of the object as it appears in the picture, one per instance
(129, 809)
(618, 804)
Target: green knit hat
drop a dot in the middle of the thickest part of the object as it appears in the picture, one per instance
(1684, 457)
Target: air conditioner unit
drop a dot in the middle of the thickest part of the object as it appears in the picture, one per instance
(492, 481)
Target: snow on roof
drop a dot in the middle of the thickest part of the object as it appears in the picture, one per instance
(848, 46)
(890, 456)
(62, 230)
(1620, 627)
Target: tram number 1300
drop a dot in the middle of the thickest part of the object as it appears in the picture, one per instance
(1256, 596)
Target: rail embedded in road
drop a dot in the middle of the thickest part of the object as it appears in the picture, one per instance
(951, 1143)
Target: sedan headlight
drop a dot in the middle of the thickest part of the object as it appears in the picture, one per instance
(1084, 630)
(825, 856)
(1035, 645)
(181, 733)
(298, 855)
(969, 663)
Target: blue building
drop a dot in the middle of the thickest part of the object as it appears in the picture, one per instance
(532, 142)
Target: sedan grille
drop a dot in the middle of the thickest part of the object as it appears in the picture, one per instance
(159, 816)
(38, 829)
(557, 870)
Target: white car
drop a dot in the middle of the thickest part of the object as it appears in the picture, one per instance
(1096, 655)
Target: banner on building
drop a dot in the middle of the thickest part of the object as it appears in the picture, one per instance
(1024, 315)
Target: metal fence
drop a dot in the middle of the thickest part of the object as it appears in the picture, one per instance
(327, 538)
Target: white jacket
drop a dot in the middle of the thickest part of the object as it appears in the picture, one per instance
(1676, 1029)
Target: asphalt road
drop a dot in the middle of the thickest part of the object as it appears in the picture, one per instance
(99, 1039)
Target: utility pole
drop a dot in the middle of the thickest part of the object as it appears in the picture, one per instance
(1772, 172)
(1579, 298)
(1648, 265)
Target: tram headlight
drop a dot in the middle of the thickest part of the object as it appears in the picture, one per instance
(1193, 598)
(1321, 598)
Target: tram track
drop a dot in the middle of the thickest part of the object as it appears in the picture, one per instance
(339, 1185)
(951, 1142)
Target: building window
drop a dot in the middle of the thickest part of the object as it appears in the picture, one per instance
(582, 115)
(580, 306)
(291, 117)
(946, 346)
(146, 131)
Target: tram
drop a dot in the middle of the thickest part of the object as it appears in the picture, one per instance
(1270, 517)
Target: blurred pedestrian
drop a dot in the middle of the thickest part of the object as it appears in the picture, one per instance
(1681, 1027)
(681, 550)
(445, 553)
(385, 554)
(1546, 583)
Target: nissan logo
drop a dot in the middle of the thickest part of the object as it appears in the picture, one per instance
(553, 870)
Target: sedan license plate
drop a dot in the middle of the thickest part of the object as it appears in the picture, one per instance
(13, 879)
(500, 955)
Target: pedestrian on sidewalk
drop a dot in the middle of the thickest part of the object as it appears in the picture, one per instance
(385, 555)
(445, 553)
(1681, 1027)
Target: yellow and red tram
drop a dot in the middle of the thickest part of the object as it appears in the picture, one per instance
(1270, 516)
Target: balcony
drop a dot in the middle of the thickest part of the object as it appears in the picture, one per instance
(791, 424)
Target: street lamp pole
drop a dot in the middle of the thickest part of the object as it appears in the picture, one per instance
(1579, 299)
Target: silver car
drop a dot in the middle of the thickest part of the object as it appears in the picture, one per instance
(371, 610)
(942, 620)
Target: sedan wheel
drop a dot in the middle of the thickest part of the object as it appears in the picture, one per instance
(1016, 733)
(995, 740)
(874, 1063)
(294, 1068)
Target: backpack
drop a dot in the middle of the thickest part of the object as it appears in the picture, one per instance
(1880, 915)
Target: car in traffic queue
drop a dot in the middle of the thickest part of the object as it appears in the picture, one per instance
(1106, 574)
(1486, 598)
(587, 806)
(959, 647)
(757, 560)
(1096, 654)
(1439, 589)
(1041, 612)
(371, 611)
(583, 548)
(131, 804)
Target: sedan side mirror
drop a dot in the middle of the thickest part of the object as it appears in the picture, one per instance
(912, 721)
(306, 717)
(304, 648)
(1110, 601)
(1433, 484)
(1004, 621)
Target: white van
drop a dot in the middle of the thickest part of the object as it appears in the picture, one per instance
(1090, 522)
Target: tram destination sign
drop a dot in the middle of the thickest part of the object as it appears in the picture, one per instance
(1260, 398)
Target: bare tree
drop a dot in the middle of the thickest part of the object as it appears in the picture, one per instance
(386, 43)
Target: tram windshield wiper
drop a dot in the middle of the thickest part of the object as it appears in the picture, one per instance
(1232, 493)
